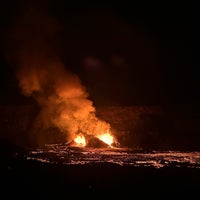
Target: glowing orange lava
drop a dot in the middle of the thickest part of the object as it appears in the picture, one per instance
(80, 140)
(106, 138)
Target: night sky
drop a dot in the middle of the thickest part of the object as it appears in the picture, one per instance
(124, 54)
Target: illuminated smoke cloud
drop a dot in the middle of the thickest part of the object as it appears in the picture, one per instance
(60, 94)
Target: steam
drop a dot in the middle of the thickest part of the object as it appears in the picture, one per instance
(60, 94)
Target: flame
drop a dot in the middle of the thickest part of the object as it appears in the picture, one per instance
(80, 140)
(106, 138)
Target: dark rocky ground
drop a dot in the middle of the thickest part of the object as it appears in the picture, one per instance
(146, 127)
(30, 179)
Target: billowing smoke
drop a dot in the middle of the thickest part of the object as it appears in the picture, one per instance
(60, 94)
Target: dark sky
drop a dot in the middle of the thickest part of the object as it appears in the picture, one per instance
(124, 54)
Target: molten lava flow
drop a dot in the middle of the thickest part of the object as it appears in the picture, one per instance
(80, 140)
(106, 138)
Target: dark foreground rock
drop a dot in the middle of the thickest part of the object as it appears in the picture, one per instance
(149, 127)
(21, 178)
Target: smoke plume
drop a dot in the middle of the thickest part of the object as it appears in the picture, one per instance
(63, 100)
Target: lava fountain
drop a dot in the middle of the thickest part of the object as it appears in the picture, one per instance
(80, 140)
(107, 138)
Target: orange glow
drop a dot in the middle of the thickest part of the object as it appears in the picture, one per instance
(80, 140)
(106, 138)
